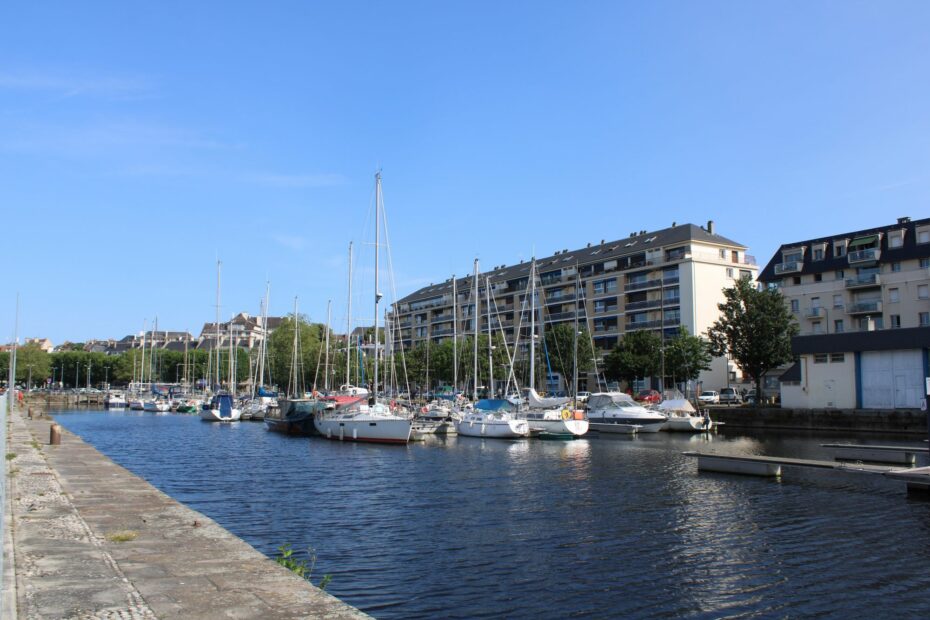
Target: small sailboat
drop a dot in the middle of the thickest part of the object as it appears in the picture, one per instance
(222, 407)
(294, 414)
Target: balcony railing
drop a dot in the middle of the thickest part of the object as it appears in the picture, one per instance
(864, 281)
(602, 309)
(636, 286)
(870, 255)
(815, 313)
(442, 332)
(442, 317)
(790, 267)
(864, 307)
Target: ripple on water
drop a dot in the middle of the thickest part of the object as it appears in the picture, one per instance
(470, 528)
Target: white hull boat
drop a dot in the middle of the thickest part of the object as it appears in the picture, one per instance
(608, 408)
(116, 401)
(220, 409)
(557, 421)
(357, 422)
(689, 423)
(492, 424)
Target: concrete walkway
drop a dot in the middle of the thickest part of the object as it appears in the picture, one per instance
(92, 540)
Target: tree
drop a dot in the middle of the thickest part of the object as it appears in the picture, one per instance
(560, 340)
(280, 351)
(754, 330)
(686, 356)
(635, 357)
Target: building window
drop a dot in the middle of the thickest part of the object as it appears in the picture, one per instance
(895, 321)
(923, 291)
(820, 358)
(818, 277)
(839, 248)
(745, 274)
(895, 267)
(837, 301)
(795, 305)
(723, 254)
(924, 319)
(893, 295)
(896, 239)
(923, 236)
(729, 272)
(839, 274)
(816, 327)
(924, 263)
(818, 254)
(838, 326)
(837, 358)
(796, 280)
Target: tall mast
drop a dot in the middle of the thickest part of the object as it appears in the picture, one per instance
(575, 345)
(455, 338)
(292, 379)
(533, 324)
(487, 288)
(377, 293)
(329, 316)
(349, 321)
(142, 363)
(216, 347)
(263, 345)
(475, 316)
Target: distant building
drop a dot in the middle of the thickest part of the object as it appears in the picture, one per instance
(862, 301)
(246, 331)
(43, 343)
(656, 281)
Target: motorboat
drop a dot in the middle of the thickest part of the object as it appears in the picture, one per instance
(157, 405)
(607, 410)
(557, 421)
(115, 400)
(492, 418)
(436, 418)
(682, 416)
(293, 416)
(221, 408)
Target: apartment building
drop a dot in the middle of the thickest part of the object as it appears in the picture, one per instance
(862, 301)
(650, 280)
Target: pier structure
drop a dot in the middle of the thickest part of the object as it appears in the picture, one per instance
(86, 538)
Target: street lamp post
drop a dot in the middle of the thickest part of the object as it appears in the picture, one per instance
(106, 378)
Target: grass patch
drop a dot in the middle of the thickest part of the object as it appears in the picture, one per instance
(301, 568)
(35, 444)
(122, 536)
(10, 456)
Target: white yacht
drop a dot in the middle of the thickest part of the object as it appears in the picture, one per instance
(359, 421)
(115, 400)
(221, 408)
(616, 412)
(557, 421)
(492, 418)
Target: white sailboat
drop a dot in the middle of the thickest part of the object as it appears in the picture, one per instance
(222, 407)
(488, 418)
(371, 421)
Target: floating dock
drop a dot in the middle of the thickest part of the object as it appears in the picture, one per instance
(906, 455)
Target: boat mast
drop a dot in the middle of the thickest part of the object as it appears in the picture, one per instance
(216, 347)
(377, 294)
(292, 379)
(349, 322)
(142, 363)
(487, 288)
(329, 316)
(533, 324)
(475, 316)
(455, 338)
(575, 344)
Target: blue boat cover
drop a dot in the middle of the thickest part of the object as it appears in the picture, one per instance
(263, 392)
(493, 404)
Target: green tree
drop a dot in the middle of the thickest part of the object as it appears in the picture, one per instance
(755, 330)
(560, 340)
(686, 356)
(635, 357)
(281, 347)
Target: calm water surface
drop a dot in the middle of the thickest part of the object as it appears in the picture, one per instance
(598, 527)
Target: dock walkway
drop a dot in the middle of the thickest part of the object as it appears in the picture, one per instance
(92, 540)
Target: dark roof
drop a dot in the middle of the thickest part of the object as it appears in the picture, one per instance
(273, 322)
(831, 262)
(594, 253)
(792, 374)
(877, 340)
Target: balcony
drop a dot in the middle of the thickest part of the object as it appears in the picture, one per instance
(441, 318)
(790, 267)
(637, 286)
(442, 332)
(860, 257)
(643, 305)
(560, 316)
(864, 281)
(815, 313)
(864, 307)
(557, 299)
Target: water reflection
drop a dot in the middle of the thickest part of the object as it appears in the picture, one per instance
(609, 526)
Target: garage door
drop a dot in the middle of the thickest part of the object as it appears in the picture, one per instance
(892, 379)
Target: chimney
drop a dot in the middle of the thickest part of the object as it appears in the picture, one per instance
(674, 224)
(903, 220)
(710, 226)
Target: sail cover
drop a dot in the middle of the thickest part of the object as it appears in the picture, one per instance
(538, 402)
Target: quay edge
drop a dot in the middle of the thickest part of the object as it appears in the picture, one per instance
(91, 539)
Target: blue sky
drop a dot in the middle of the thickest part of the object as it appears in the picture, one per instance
(141, 141)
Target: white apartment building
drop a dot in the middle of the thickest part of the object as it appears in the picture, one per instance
(650, 280)
(862, 301)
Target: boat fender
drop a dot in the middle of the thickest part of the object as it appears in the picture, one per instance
(424, 409)
(566, 414)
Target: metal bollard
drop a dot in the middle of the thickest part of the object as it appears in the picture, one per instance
(54, 438)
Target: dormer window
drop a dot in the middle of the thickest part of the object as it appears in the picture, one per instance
(839, 248)
(896, 238)
(818, 250)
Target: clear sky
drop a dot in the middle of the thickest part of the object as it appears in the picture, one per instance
(141, 141)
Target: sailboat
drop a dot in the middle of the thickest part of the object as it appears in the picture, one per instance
(294, 415)
(369, 421)
(489, 417)
(222, 407)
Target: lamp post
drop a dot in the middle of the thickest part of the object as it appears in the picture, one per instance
(77, 365)
(106, 378)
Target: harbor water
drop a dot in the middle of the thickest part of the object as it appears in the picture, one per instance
(596, 527)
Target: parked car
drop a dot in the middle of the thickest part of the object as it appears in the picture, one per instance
(709, 397)
(730, 396)
(583, 397)
(750, 398)
(649, 396)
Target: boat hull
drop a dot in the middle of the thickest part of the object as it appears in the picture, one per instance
(214, 415)
(615, 425)
(493, 428)
(689, 424)
(367, 429)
